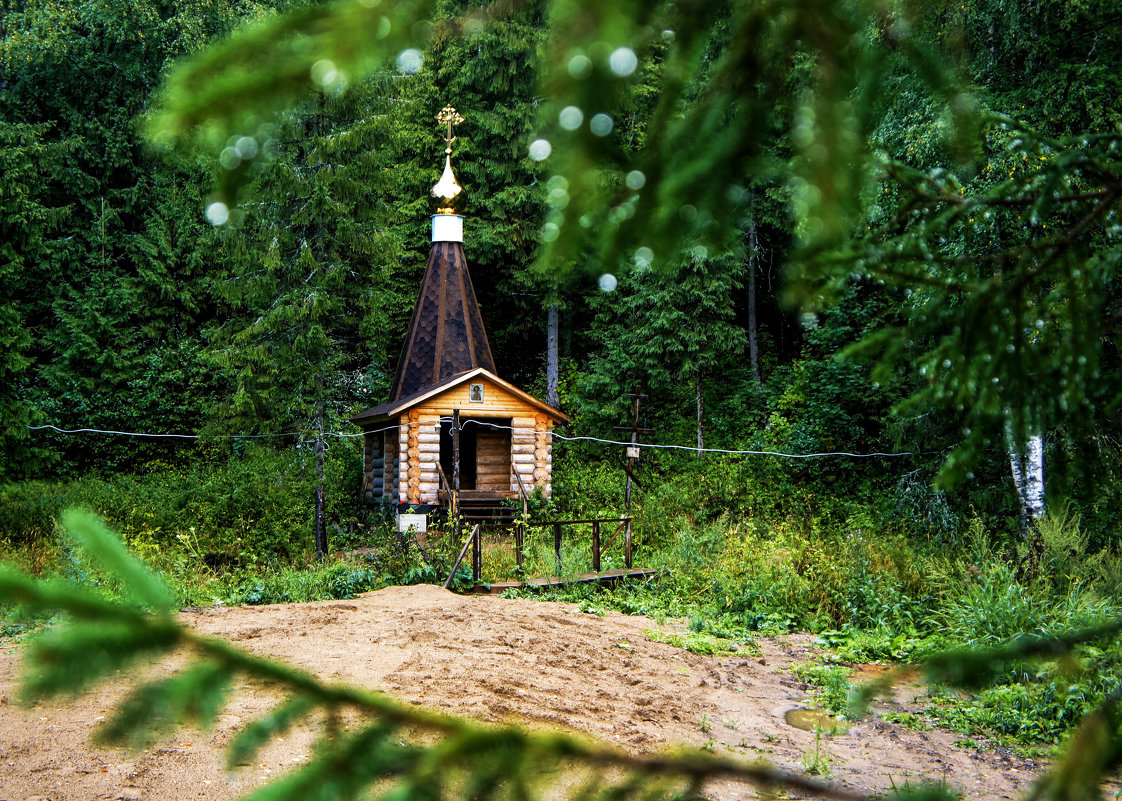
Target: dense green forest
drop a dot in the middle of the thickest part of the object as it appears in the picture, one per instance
(775, 327)
(861, 260)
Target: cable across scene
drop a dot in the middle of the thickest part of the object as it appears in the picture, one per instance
(690, 448)
(464, 423)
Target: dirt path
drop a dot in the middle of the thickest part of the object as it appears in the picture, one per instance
(490, 659)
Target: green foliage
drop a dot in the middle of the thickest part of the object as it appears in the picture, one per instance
(195, 695)
(817, 761)
(299, 585)
(694, 642)
(115, 235)
(972, 259)
(409, 749)
(239, 505)
(90, 534)
(833, 692)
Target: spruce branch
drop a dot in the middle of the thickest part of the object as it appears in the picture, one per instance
(393, 741)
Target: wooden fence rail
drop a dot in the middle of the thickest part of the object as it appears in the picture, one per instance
(475, 542)
(623, 524)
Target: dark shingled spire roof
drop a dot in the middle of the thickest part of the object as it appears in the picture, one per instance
(446, 335)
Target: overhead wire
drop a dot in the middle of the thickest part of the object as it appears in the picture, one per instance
(463, 423)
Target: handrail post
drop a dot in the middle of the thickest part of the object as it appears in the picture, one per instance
(521, 491)
(460, 558)
(476, 554)
(557, 545)
(596, 546)
(455, 462)
(453, 500)
(520, 545)
(627, 545)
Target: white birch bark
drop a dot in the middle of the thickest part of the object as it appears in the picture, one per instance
(552, 358)
(1027, 466)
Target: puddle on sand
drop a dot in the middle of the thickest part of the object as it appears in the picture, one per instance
(811, 719)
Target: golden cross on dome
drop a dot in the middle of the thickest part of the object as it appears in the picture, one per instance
(449, 116)
(447, 188)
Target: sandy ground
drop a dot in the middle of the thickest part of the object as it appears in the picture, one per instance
(494, 660)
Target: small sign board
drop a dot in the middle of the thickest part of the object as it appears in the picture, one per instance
(415, 522)
(632, 451)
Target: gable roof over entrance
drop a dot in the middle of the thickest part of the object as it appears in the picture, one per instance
(395, 408)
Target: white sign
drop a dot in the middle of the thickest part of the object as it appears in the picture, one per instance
(418, 523)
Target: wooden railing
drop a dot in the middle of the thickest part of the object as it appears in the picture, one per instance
(475, 542)
(522, 492)
(623, 525)
(473, 537)
(447, 486)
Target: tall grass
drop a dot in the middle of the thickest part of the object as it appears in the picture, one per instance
(238, 531)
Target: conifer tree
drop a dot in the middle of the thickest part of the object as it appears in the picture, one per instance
(25, 227)
(305, 280)
(113, 284)
(668, 333)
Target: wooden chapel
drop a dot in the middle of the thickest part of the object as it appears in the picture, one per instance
(450, 421)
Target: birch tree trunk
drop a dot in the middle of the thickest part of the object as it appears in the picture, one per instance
(552, 357)
(1026, 463)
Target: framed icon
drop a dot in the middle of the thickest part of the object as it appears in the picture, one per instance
(475, 393)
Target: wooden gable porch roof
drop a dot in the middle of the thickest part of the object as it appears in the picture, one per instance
(395, 408)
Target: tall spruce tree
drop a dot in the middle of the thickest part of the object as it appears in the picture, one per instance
(669, 333)
(111, 277)
(304, 278)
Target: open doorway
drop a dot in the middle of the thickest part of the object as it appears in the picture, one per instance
(484, 454)
(467, 454)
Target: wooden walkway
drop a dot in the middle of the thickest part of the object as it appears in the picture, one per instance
(608, 576)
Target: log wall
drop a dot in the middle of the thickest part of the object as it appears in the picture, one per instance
(543, 453)
(392, 486)
(412, 454)
(373, 466)
(428, 456)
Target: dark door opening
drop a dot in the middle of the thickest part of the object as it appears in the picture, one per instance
(467, 453)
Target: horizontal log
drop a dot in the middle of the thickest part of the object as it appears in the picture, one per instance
(524, 470)
(428, 437)
(518, 448)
